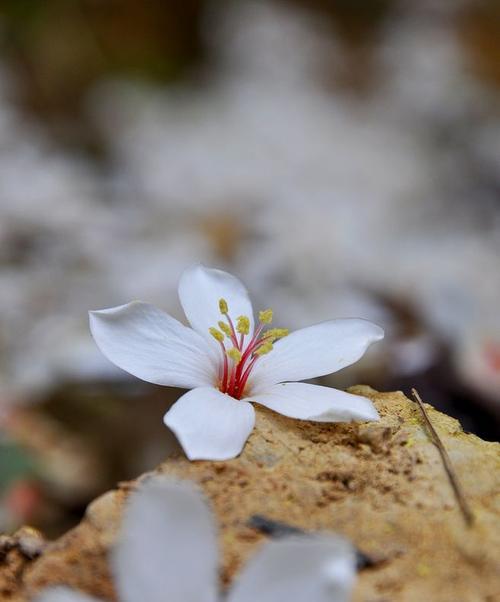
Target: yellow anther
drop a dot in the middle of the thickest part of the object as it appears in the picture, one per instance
(243, 325)
(266, 316)
(225, 328)
(223, 306)
(264, 348)
(234, 354)
(217, 334)
(275, 333)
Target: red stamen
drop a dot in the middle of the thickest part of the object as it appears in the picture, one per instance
(223, 384)
(246, 374)
(234, 338)
(257, 334)
(232, 382)
(252, 344)
(248, 351)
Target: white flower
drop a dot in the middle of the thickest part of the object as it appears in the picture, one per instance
(228, 362)
(167, 552)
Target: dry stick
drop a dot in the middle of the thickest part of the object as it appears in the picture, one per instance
(450, 471)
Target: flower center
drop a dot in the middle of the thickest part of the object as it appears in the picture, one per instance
(242, 350)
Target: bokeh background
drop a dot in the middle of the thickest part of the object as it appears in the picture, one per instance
(340, 156)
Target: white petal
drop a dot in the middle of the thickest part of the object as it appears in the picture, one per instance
(63, 594)
(168, 546)
(210, 425)
(315, 351)
(298, 569)
(200, 289)
(150, 344)
(314, 402)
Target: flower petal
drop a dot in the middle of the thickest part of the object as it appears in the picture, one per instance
(210, 425)
(314, 402)
(168, 546)
(63, 594)
(298, 569)
(315, 351)
(150, 344)
(200, 289)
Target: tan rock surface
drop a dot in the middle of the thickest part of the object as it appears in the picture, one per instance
(380, 484)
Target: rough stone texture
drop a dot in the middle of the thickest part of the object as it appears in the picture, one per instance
(381, 484)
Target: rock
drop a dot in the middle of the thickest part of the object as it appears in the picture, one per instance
(381, 484)
(16, 554)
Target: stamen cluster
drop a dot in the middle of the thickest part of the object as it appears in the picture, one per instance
(233, 374)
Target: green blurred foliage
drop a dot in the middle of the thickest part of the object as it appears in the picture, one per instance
(15, 464)
(58, 48)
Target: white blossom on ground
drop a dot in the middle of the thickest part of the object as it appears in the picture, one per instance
(168, 552)
(227, 361)
(318, 210)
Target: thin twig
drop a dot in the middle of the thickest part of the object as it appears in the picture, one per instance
(450, 471)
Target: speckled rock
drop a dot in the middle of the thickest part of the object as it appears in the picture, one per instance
(381, 484)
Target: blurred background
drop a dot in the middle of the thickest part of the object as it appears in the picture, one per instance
(339, 156)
